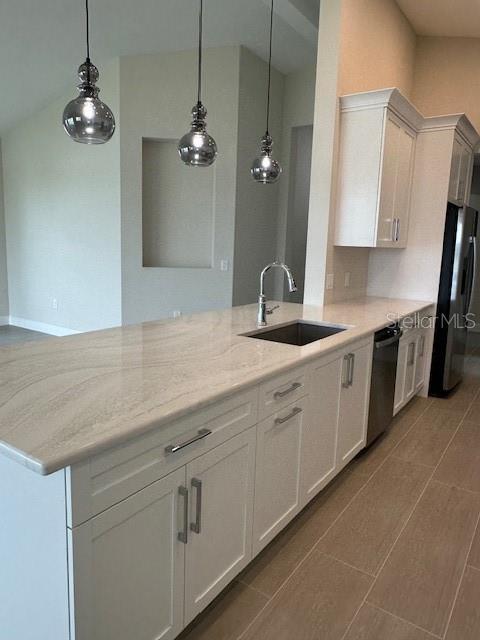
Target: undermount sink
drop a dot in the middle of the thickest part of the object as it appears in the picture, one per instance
(298, 333)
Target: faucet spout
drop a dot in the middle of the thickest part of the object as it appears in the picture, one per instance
(262, 301)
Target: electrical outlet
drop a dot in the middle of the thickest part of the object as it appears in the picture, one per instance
(329, 280)
(347, 279)
(54, 304)
(224, 264)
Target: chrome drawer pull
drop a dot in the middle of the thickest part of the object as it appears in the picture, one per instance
(173, 448)
(295, 411)
(346, 371)
(281, 394)
(196, 526)
(183, 534)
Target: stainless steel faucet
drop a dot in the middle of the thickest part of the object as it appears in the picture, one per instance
(262, 301)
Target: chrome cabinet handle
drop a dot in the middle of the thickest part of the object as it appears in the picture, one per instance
(295, 411)
(346, 371)
(397, 233)
(281, 394)
(173, 448)
(394, 229)
(196, 526)
(411, 360)
(183, 534)
(351, 368)
(422, 348)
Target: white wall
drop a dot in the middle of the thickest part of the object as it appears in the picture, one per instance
(62, 215)
(157, 93)
(298, 108)
(256, 215)
(3, 255)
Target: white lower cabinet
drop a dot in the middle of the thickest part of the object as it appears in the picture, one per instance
(410, 366)
(422, 335)
(146, 567)
(277, 478)
(128, 567)
(354, 398)
(319, 442)
(219, 543)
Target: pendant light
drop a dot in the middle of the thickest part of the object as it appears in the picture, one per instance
(265, 169)
(197, 148)
(87, 119)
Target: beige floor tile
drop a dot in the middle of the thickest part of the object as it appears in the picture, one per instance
(274, 565)
(461, 465)
(373, 624)
(429, 438)
(474, 557)
(228, 616)
(420, 578)
(465, 623)
(370, 460)
(368, 528)
(318, 602)
(459, 400)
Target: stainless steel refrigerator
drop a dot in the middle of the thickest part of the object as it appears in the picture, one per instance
(457, 281)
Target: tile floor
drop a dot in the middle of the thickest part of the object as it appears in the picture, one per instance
(13, 335)
(389, 551)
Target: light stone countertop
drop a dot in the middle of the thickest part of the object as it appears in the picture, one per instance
(65, 399)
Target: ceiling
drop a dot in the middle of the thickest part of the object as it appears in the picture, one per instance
(451, 18)
(42, 43)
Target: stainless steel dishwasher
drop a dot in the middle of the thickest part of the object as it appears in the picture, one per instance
(384, 372)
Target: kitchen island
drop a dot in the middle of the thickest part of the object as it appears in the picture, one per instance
(173, 451)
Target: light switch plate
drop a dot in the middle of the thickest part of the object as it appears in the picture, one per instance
(329, 280)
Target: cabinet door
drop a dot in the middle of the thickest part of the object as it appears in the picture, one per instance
(319, 441)
(386, 207)
(455, 171)
(128, 567)
(277, 478)
(403, 186)
(400, 377)
(464, 177)
(219, 545)
(420, 359)
(409, 387)
(354, 397)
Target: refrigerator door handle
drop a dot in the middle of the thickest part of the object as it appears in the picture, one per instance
(474, 274)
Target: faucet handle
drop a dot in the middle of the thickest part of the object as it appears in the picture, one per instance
(270, 310)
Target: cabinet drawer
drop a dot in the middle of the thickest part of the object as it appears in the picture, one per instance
(281, 391)
(108, 478)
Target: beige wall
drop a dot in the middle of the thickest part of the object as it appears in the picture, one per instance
(447, 77)
(377, 47)
(3, 254)
(377, 50)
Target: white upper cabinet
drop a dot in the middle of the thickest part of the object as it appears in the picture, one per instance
(378, 131)
(461, 171)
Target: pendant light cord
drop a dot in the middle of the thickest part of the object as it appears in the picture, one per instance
(269, 67)
(87, 20)
(200, 43)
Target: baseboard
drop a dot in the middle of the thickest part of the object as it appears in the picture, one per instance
(4, 320)
(42, 327)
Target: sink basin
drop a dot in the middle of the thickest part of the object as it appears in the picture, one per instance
(298, 333)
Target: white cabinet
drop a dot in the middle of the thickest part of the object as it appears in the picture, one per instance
(420, 351)
(375, 169)
(461, 171)
(320, 429)
(220, 519)
(146, 567)
(354, 400)
(277, 480)
(408, 381)
(128, 562)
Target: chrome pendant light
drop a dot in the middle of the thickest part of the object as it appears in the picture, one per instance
(87, 119)
(197, 148)
(265, 169)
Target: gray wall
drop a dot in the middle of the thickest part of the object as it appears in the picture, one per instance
(157, 93)
(3, 254)
(256, 204)
(62, 214)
